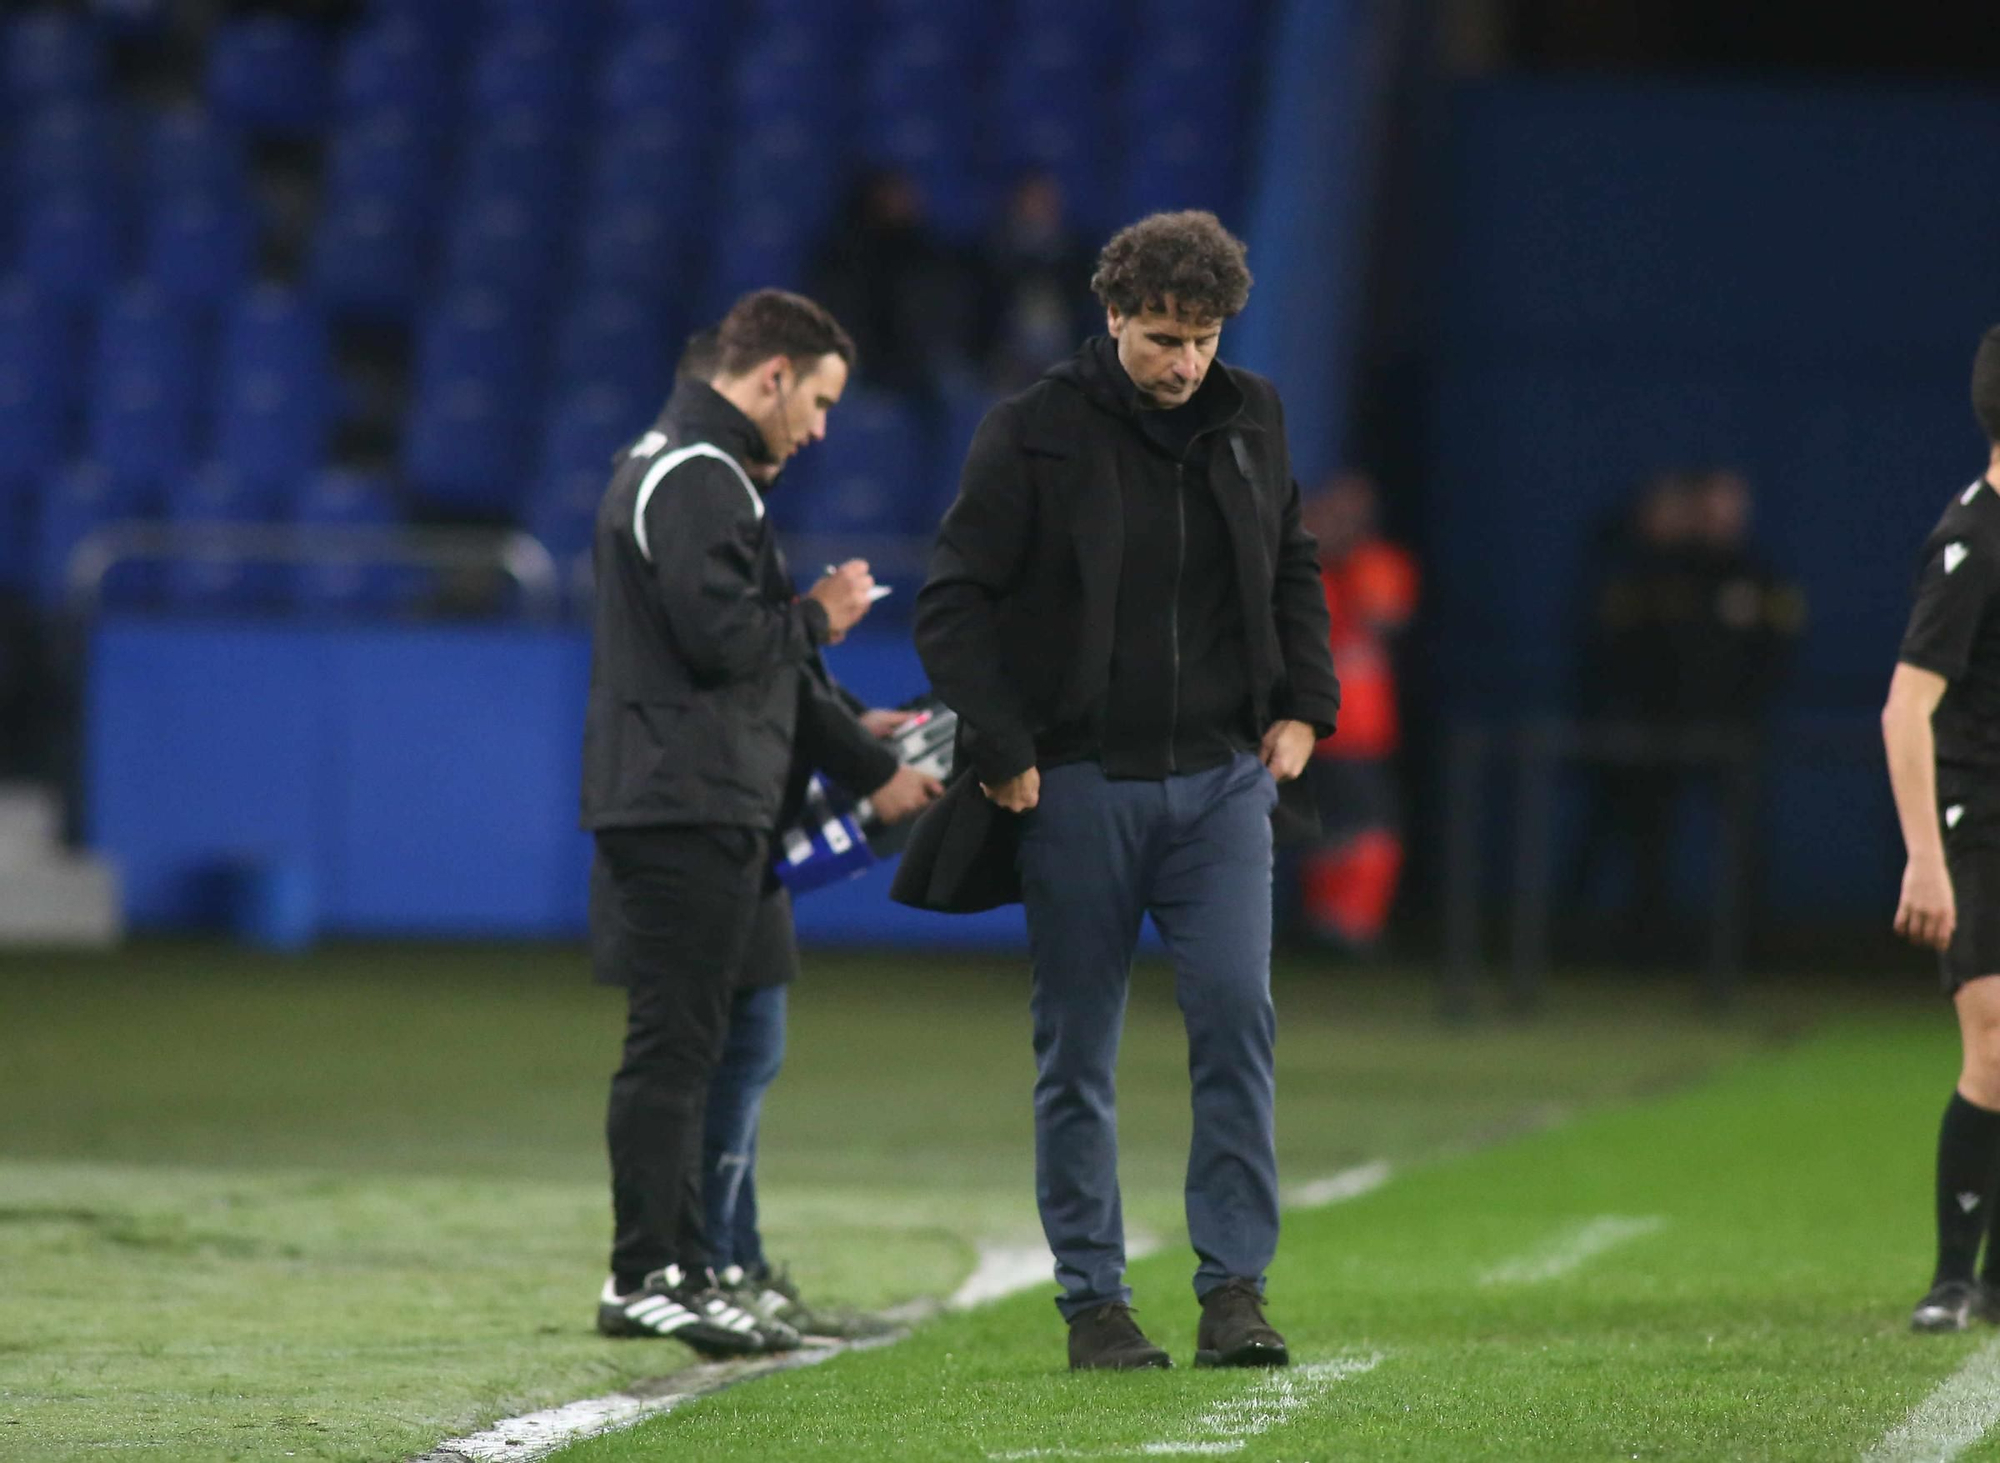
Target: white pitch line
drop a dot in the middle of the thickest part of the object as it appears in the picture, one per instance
(1338, 1188)
(1005, 1270)
(1571, 1248)
(1273, 1401)
(1958, 1413)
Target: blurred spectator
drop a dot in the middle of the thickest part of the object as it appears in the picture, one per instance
(1037, 302)
(1348, 882)
(902, 292)
(1688, 637)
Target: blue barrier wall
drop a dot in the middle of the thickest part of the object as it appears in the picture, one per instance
(1647, 275)
(416, 781)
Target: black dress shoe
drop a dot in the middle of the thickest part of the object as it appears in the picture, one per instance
(1108, 1339)
(1233, 1330)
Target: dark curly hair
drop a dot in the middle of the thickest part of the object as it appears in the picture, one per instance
(1986, 385)
(1189, 256)
(766, 323)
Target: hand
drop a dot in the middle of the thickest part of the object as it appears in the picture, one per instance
(1018, 793)
(843, 594)
(905, 795)
(1288, 746)
(882, 723)
(1928, 912)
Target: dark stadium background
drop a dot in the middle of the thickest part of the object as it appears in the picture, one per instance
(391, 281)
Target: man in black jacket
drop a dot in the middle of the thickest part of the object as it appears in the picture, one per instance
(1127, 616)
(701, 694)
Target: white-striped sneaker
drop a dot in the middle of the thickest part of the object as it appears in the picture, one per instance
(688, 1307)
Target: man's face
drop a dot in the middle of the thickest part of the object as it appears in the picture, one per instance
(795, 406)
(1166, 354)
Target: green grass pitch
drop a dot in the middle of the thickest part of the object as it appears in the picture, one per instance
(348, 1206)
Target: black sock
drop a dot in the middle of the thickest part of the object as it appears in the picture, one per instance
(626, 1283)
(1967, 1165)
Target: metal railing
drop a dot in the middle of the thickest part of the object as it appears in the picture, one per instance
(519, 556)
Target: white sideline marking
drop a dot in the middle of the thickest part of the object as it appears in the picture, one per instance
(1572, 1248)
(1004, 1270)
(1227, 1426)
(1957, 1414)
(1001, 1270)
(1337, 1188)
(538, 1434)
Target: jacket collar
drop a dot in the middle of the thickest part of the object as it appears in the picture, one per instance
(1095, 373)
(697, 412)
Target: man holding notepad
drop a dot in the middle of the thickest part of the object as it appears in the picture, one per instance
(704, 694)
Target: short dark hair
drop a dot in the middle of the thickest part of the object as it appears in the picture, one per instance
(1189, 256)
(766, 323)
(700, 356)
(1986, 385)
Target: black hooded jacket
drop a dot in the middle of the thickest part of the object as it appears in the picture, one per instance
(1023, 626)
(705, 687)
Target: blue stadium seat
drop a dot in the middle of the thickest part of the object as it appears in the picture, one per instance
(583, 435)
(462, 447)
(395, 63)
(271, 426)
(635, 249)
(518, 152)
(788, 159)
(790, 72)
(271, 328)
(51, 55)
(661, 67)
(214, 495)
(477, 335)
(65, 148)
(502, 242)
(198, 250)
(1181, 165)
(528, 62)
(190, 154)
(368, 257)
(141, 424)
(144, 384)
(653, 159)
(38, 379)
(347, 500)
(75, 503)
(269, 74)
(616, 341)
(871, 474)
(384, 153)
(710, 22)
(142, 325)
(69, 246)
(763, 245)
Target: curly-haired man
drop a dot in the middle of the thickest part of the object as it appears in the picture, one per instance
(1127, 616)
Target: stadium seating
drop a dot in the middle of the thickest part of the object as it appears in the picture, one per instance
(526, 206)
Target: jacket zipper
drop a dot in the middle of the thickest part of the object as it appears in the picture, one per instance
(1174, 615)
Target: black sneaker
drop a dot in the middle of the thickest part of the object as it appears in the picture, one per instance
(1108, 1339)
(689, 1307)
(1233, 1331)
(1948, 1307)
(772, 1295)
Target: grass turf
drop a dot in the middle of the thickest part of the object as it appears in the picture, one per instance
(1755, 1309)
(346, 1206)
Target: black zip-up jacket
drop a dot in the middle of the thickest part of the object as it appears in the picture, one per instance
(1177, 694)
(704, 683)
(1017, 623)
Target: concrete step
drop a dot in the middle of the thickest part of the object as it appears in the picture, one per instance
(30, 822)
(62, 899)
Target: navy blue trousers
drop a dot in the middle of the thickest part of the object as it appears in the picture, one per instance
(751, 1057)
(1194, 852)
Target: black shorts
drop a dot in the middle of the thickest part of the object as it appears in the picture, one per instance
(1969, 815)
